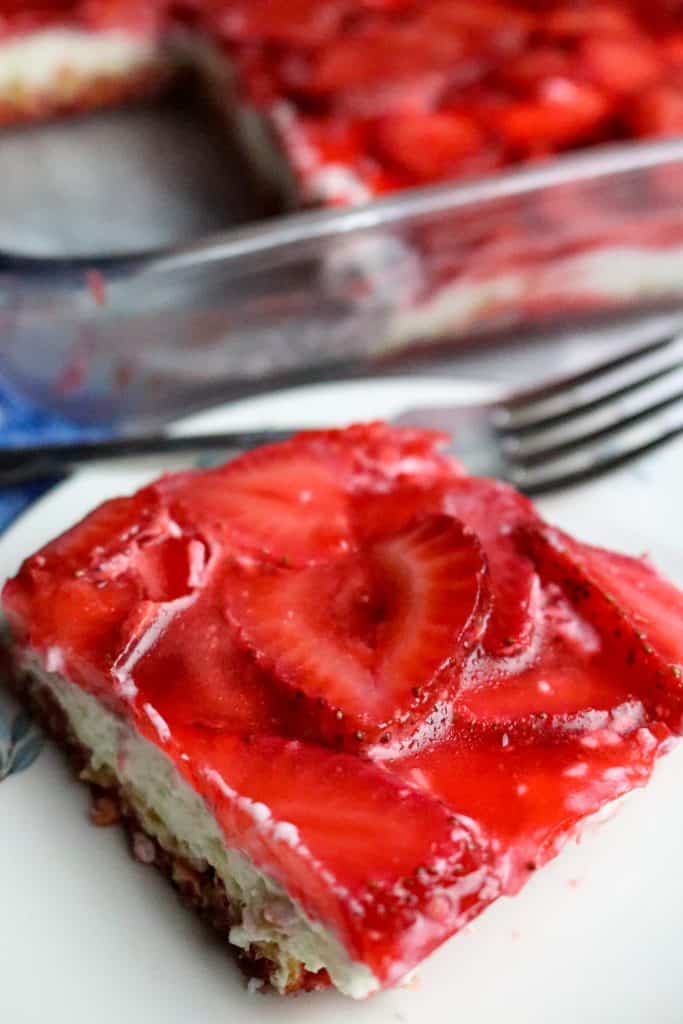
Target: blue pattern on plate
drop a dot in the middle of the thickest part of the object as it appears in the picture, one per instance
(21, 422)
(20, 742)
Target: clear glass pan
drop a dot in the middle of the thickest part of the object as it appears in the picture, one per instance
(138, 340)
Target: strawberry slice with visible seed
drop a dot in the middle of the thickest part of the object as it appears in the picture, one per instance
(291, 503)
(283, 502)
(529, 797)
(637, 614)
(492, 511)
(367, 636)
(562, 687)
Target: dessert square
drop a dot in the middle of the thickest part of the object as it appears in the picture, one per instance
(344, 694)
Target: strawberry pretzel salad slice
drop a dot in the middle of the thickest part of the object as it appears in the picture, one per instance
(344, 694)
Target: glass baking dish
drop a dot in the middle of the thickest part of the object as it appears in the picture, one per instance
(142, 339)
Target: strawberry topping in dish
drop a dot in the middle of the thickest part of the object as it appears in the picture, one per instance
(396, 688)
(17, 17)
(368, 96)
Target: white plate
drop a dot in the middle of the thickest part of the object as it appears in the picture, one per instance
(90, 936)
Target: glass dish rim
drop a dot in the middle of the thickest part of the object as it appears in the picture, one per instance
(280, 234)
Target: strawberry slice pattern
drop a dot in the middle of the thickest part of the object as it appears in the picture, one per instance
(637, 614)
(368, 636)
(396, 686)
(278, 503)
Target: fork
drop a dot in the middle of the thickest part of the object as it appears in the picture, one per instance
(539, 439)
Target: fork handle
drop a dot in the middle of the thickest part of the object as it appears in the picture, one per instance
(24, 463)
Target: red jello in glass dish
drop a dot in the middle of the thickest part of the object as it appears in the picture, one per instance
(388, 95)
(343, 102)
(345, 691)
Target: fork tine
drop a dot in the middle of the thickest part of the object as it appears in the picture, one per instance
(594, 458)
(632, 340)
(582, 393)
(546, 442)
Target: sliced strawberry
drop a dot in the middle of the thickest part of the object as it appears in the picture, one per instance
(385, 66)
(637, 614)
(380, 512)
(434, 573)
(354, 845)
(214, 684)
(493, 511)
(368, 635)
(167, 567)
(378, 454)
(80, 591)
(289, 503)
(73, 624)
(656, 605)
(561, 687)
(106, 529)
(529, 798)
(568, 113)
(283, 502)
(429, 146)
(57, 601)
(620, 65)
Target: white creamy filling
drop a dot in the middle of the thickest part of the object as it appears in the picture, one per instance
(176, 816)
(618, 274)
(37, 61)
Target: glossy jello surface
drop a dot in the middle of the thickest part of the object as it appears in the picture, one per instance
(398, 688)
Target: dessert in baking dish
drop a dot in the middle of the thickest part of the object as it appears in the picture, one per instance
(339, 101)
(367, 97)
(344, 694)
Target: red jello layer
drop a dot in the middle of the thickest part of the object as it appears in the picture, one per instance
(400, 92)
(397, 688)
(405, 93)
(20, 18)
